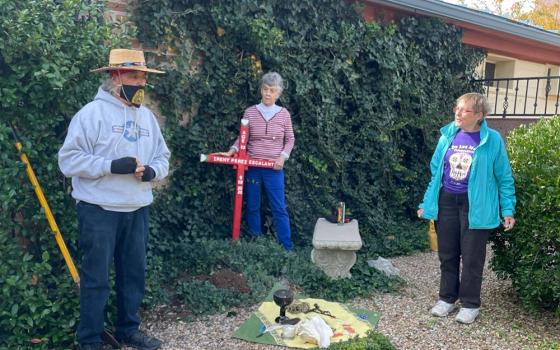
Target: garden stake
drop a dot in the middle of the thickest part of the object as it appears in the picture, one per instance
(107, 336)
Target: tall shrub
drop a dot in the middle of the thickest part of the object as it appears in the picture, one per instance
(530, 253)
(366, 102)
(46, 50)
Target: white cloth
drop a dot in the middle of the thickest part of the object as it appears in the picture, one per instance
(315, 330)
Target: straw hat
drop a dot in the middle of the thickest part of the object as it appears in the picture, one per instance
(127, 59)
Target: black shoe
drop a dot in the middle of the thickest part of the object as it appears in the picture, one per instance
(92, 346)
(141, 341)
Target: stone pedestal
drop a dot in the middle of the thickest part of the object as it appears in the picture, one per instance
(335, 246)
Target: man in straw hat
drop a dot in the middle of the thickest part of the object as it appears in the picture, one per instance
(114, 150)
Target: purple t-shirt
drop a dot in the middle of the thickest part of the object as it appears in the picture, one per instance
(458, 160)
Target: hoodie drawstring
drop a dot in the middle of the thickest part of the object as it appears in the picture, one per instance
(122, 134)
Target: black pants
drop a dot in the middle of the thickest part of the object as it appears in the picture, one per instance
(457, 242)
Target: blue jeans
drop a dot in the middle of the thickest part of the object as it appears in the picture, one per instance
(273, 182)
(107, 236)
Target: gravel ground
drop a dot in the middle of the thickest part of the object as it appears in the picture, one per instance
(405, 318)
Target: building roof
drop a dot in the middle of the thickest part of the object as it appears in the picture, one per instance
(495, 34)
(437, 8)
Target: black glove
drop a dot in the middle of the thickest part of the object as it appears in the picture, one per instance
(124, 165)
(149, 173)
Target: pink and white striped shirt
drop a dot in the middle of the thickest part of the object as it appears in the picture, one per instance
(268, 139)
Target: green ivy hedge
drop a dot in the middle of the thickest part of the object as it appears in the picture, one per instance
(366, 101)
(530, 253)
(46, 50)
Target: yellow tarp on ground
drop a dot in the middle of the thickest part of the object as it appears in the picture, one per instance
(346, 324)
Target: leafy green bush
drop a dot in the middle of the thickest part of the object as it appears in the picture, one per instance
(202, 297)
(46, 51)
(530, 253)
(366, 101)
(373, 341)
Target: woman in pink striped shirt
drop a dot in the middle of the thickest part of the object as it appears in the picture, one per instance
(271, 136)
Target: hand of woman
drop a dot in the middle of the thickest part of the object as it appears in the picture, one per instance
(229, 153)
(279, 163)
(420, 213)
(509, 221)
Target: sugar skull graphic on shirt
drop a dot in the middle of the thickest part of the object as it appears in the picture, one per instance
(460, 164)
(458, 161)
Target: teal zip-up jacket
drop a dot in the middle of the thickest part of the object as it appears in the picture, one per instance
(491, 190)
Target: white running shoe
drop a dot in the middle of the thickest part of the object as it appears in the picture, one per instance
(442, 309)
(466, 315)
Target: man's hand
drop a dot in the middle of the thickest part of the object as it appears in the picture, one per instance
(149, 173)
(125, 165)
(139, 170)
(420, 213)
(279, 163)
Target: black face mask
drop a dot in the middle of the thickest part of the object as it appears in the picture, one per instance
(133, 94)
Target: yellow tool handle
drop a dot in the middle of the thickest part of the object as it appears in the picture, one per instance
(48, 213)
(432, 236)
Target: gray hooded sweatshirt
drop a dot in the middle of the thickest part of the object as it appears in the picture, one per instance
(107, 129)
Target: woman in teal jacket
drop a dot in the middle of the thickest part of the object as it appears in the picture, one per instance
(471, 189)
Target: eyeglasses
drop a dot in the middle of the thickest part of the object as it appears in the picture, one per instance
(461, 110)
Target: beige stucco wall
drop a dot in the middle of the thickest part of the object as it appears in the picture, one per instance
(528, 93)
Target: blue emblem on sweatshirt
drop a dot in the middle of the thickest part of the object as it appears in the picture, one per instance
(132, 132)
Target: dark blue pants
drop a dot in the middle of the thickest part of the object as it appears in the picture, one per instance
(456, 243)
(273, 183)
(107, 237)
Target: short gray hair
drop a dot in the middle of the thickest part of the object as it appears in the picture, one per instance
(108, 85)
(273, 79)
(480, 102)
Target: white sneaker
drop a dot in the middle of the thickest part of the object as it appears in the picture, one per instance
(467, 315)
(442, 309)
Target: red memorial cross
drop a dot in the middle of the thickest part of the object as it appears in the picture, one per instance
(241, 162)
